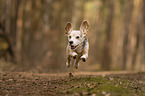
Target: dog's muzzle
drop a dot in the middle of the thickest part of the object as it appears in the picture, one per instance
(74, 47)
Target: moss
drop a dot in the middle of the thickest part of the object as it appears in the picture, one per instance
(100, 85)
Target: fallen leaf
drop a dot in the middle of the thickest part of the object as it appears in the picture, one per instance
(103, 92)
(93, 95)
(120, 83)
(111, 79)
(116, 85)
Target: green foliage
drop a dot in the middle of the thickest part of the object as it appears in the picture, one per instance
(102, 86)
(3, 46)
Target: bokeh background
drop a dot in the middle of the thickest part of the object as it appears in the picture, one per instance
(32, 34)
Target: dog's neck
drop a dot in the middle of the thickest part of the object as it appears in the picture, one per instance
(84, 43)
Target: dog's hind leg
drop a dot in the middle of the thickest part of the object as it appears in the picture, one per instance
(68, 61)
(76, 64)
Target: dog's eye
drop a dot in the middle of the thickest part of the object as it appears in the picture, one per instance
(77, 37)
(70, 37)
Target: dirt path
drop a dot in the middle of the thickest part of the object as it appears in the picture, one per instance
(24, 84)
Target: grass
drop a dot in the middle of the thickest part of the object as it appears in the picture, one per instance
(102, 86)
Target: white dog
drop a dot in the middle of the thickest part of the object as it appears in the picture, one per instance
(78, 46)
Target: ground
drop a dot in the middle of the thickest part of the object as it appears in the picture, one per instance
(81, 84)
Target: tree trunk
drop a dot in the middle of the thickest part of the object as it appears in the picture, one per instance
(19, 28)
(106, 59)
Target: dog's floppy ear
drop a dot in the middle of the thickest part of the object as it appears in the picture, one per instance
(84, 27)
(68, 28)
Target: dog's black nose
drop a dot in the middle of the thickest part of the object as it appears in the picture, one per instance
(70, 42)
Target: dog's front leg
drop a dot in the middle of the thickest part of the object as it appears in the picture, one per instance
(77, 61)
(69, 57)
(84, 57)
(76, 58)
(73, 54)
(85, 53)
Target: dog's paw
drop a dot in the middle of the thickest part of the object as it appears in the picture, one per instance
(74, 55)
(83, 58)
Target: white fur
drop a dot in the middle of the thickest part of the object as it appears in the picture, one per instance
(79, 48)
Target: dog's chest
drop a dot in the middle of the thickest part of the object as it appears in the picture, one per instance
(79, 50)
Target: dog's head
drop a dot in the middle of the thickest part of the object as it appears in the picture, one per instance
(76, 37)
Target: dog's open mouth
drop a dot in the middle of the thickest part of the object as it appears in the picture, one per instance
(74, 47)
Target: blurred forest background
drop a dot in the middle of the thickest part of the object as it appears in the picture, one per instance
(32, 34)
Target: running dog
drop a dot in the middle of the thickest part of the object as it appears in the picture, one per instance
(78, 44)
